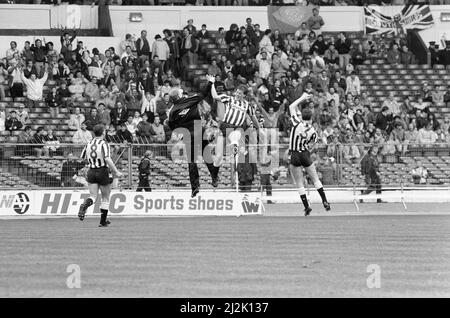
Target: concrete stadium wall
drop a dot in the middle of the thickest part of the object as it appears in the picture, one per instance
(157, 18)
(16, 16)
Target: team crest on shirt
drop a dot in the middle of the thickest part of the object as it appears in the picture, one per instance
(183, 112)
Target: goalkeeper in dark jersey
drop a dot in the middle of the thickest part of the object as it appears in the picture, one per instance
(186, 115)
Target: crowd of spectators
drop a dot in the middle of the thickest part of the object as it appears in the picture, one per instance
(129, 90)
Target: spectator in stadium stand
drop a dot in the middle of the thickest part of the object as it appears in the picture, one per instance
(82, 135)
(447, 96)
(392, 104)
(22, 115)
(188, 49)
(264, 64)
(394, 56)
(103, 115)
(35, 87)
(52, 143)
(144, 130)
(303, 30)
(319, 45)
(190, 26)
(16, 84)
(12, 123)
(331, 57)
(419, 174)
(69, 170)
(76, 119)
(129, 41)
(162, 106)
(421, 119)
(53, 103)
(399, 137)
(39, 138)
(341, 81)
(315, 22)
(40, 55)
(406, 57)
(95, 68)
(61, 71)
(12, 50)
(161, 49)
(25, 137)
(143, 48)
(119, 114)
(437, 95)
(131, 127)
(426, 135)
(92, 119)
(124, 135)
(358, 55)
(383, 118)
(91, 90)
(353, 84)
(343, 46)
(203, 33)
(158, 132)
(29, 69)
(111, 135)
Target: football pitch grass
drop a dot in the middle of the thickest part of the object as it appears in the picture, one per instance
(276, 255)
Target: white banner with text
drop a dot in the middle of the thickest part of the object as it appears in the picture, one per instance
(66, 203)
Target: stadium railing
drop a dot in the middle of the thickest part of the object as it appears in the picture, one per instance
(338, 165)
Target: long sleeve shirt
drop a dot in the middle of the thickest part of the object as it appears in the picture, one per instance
(36, 87)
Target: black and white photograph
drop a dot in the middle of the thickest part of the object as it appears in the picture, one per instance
(224, 154)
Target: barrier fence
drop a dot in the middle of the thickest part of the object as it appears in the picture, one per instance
(259, 167)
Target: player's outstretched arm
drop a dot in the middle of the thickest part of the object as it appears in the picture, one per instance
(113, 168)
(212, 80)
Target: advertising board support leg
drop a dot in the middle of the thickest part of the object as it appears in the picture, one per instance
(354, 198)
(403, 196)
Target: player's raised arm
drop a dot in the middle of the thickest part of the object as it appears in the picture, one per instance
(212, 80)
(294, 105)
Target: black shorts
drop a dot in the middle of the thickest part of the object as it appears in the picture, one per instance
(301, 159)
(99, 176)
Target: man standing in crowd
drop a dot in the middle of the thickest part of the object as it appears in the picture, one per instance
(370, 168)
(144, 172)
(315, 22)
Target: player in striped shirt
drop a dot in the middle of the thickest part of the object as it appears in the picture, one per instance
(98, 155)
(233, 113)
(303, 136)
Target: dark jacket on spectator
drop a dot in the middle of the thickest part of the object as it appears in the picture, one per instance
(118, 118)
(145, 50)
(382, 121)
(343, 47)
(91, 121)
(12, 124)
(40, 53)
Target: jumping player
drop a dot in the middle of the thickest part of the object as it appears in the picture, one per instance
(98, 154)
(302, 136)
(233, 112)
(185, 113)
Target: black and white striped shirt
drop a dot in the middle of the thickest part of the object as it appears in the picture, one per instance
(236, 110)
(96, 151)
(302, 136)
